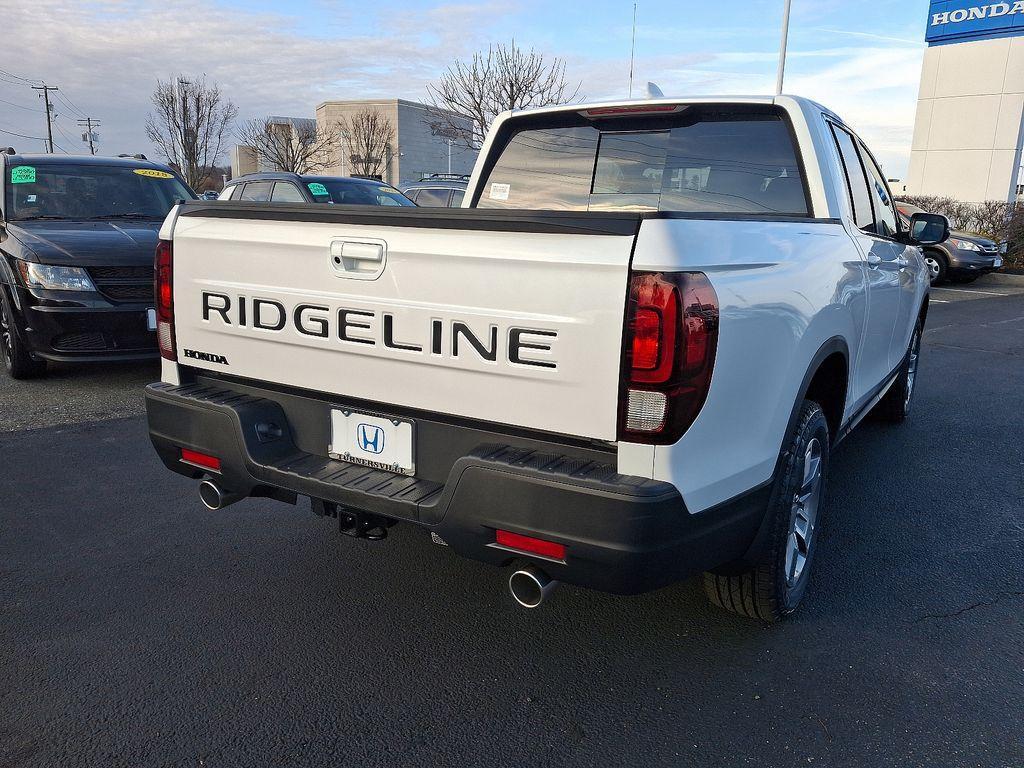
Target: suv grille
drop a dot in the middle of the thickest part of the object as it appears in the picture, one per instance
(133, 284)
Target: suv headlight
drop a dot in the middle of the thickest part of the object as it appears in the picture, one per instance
(965, 245)
(54, 278)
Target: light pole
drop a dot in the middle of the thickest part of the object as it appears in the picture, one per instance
(782, 47)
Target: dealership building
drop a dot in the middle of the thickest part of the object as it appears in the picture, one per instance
(422, 142)
(969, 128)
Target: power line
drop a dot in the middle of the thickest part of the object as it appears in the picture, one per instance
(71, 105)
(19, 77)
(19, 106)
(21, 135)
(64, 133)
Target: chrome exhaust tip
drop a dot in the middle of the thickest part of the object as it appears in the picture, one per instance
(530, 586)
(214, 498)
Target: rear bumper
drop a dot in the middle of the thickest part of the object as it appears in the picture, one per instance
(622, 534)
(86, 327)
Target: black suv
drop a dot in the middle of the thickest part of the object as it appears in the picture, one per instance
(77, 237)
(283, 187)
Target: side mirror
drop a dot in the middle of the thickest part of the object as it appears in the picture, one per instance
(927, 229)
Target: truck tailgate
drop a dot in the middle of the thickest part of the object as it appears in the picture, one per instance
(504, 316)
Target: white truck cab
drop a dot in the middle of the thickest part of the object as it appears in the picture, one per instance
(625, 360)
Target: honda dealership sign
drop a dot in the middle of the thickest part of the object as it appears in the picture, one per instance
(952, 21)
(970, 108)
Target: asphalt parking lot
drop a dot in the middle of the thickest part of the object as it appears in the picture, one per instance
(137, 629)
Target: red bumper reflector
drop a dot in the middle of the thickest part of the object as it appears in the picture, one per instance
(200, 459)
(530, 544)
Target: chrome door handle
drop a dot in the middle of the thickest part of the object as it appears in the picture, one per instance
(874, 259)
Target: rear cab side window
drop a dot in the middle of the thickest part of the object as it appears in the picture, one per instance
(726, 159)
(856, 179)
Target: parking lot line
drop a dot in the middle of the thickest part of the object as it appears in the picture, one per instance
(940, 301)
(964, 290)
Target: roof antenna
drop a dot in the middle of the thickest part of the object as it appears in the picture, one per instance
(632, 51)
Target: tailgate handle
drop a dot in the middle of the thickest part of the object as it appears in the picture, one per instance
(359, 259)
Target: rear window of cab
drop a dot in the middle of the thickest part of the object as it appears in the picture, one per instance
(699, 159)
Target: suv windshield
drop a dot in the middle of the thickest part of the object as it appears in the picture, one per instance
(340, 192)
(700, 159)
(82, 192)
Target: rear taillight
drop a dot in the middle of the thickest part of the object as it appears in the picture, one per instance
(163, 271)
(670, 343)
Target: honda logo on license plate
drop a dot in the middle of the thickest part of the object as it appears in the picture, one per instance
(370, 438)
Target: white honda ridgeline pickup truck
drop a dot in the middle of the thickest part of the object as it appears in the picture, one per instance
(625, 361)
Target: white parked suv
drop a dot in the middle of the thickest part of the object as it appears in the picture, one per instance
(626, 360)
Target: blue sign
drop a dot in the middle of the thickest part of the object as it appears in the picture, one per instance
(958, 21)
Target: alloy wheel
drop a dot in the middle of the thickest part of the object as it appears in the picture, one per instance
(934, 268)
(6, 336)
(804, 515)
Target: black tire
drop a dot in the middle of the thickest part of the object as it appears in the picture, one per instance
(938, 266)
(894, 407)
(17, 361)
(770, 587)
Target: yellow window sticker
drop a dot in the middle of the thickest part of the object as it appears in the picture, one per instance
(23, 174)
(153, 174)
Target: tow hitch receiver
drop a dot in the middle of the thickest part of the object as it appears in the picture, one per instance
(352, 522)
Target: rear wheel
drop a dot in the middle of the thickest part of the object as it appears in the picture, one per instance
(895, 405)
(937, 266)
(773, 585)
(17, 361)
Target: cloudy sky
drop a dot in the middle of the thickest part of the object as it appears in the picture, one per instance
(861, 59)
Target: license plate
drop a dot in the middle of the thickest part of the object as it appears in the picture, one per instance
(151, 319)
(375, 441)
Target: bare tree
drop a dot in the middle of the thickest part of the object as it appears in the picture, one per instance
(190, 125)
(368, 136)
(298, 146)
(469, 95)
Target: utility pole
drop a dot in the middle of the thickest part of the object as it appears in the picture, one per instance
(89, 123)
(46, 98)
(782, 48)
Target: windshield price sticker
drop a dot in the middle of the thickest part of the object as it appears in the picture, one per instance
(23, 174)
(317, 189)
(500, 191)
(152, 174)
